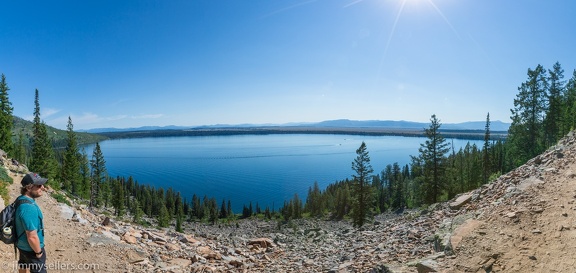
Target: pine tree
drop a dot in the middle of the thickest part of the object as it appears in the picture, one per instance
(296, 207)
(525, 135)
(229, 211)
(43, 161)
(6, 118)
(84, 189)
(342, 202)
(98, 177)
(486, 164)
(569, 106)
(433, 156)
(137, 212)
(223, 211)
(398, 196)
(179, 217)
(118, 197)
(314, 201)
(71, 178)
(362, 190)
(163, 216)
(213, 211)
(20, 148)
(195, 207)
(553, 119)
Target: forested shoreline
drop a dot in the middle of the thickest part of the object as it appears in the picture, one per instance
(544, 111)
(459, 134)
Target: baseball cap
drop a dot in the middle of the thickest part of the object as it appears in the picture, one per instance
(33, 179)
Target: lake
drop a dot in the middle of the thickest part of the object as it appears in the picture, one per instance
(263, 169)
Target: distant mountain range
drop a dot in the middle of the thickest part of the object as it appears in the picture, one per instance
(495, 126)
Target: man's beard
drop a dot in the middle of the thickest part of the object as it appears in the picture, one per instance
(35, 194)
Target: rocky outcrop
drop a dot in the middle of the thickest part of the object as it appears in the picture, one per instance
(11, 164)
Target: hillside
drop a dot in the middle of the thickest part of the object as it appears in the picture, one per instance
(339, 123)
(522, 222)
(58, 136)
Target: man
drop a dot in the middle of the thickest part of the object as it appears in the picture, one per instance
(30, 226)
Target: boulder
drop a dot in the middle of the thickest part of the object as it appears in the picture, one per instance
(262, 242)
(460, 201)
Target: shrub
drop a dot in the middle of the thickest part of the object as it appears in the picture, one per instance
(4, 177)
(5, 180)
(61, 198)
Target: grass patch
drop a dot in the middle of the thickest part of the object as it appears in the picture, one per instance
(5, 180)
(61, 198)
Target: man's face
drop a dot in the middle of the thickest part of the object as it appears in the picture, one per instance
(36, 191)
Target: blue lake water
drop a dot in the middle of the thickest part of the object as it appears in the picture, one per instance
(263, 169)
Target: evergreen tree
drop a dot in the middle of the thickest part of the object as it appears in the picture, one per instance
(362, 190)
(163, 216)
(569, 106)
(486, 164)
(553, 118)
(84, 190)
(98, 177)
(71, 178)
(397, 182)
(229, 211)
(20, 153)
(433, 156)
(118, 197)
(43, 161)
(6, 118)
(342, 202)
(195, 207)
(137, 212)
(385, 189)
(213, 211)
(525, 132)
(314, 201)
(223, 211)
(296, 207)
(179, 218)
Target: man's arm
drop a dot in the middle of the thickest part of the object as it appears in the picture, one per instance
(34, 242)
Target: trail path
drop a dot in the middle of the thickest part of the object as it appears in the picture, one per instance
(534, 230)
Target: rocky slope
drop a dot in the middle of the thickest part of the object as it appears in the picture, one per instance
(523, 222)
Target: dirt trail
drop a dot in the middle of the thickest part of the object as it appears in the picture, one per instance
(534, 231)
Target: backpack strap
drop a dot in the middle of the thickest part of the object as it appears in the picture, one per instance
(17, 203)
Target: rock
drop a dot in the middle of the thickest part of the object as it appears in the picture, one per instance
(172, 247)
(129, 238)
(207, 253)
(262, 242)
(231, 260)
(188, 239)
(179, 262)
(460, 201)
(427, 266)
(134, 257)
(107, 222)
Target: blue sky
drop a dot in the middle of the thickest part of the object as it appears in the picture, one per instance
(110, 63)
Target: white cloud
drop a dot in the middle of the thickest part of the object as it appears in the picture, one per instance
(47, 112)
(91, 120)
(148, 116)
